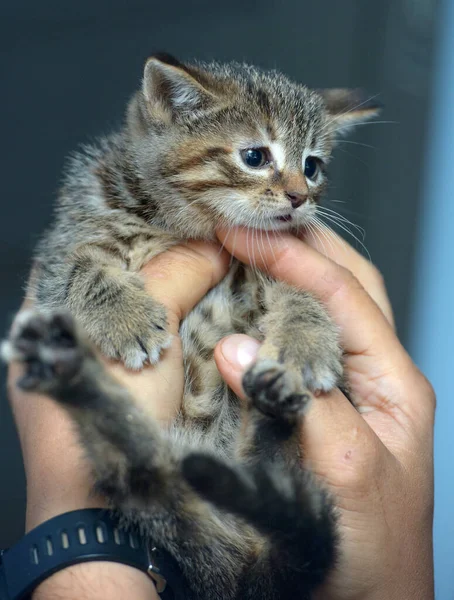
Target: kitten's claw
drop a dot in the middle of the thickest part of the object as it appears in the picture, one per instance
(47, 345)
(319, 365)
(135, 356)
(136, 333)
(275, 390)
(322, 375)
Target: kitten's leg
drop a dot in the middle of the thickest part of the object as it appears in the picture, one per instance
(131, 459)
(114, 309)
(271, 491)
(287, 508)
(299, 334)
(135, 466)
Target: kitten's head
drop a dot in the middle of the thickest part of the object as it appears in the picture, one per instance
(226, 145)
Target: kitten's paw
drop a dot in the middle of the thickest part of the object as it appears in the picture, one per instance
(316, 355)
(275, 390)
(300, 335)
(48, 347)
(135, 333)
(322, 371)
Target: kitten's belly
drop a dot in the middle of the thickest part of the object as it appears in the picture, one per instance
(209, 407)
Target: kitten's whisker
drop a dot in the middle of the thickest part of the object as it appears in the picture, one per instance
(226, 238)
(368, 123)
(271, 245)
(342, 219)
(332, 234)
(345, 223)
(183, 208)
(248, 248)
(353, 108)
(347, 230)
(356, 144)
(232, 257)
(325, 232)
(313, 230)
(262, 237)
(324, 209)
(354, 213)
(259, 236)
(353, 156)
(319, 229)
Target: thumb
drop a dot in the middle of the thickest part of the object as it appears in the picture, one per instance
(233, 355)
(337, 442)
(181, 276)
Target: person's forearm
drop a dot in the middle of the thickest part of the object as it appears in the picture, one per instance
(97, 581)
(53, 489)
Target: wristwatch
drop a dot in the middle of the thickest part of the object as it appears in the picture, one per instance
(81, 536)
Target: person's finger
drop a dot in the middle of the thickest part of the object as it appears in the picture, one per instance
(334, 247)
(181, 276)
(334, 433)
(373, 352)
(178, 278)
(292, 260)
(233, 355)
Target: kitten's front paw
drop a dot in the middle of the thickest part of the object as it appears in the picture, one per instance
(275, 390)
(48, 347)
(134, 331)
(322, 371)
(315, 354)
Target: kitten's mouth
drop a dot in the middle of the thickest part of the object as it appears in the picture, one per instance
(284, 218)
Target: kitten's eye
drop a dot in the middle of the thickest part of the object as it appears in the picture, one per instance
(256, 157)
(310, 167)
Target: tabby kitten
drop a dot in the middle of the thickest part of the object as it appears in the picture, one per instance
(203, 146)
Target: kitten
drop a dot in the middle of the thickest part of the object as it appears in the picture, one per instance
(203, 146)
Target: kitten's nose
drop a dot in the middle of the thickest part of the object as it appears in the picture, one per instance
(296, 199)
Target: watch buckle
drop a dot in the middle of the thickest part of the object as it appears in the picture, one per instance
(155, 574)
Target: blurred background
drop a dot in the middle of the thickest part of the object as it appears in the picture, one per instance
(67, 70)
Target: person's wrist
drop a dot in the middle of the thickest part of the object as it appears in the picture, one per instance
(57, 473)
(97, 581)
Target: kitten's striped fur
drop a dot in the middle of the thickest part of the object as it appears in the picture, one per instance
(263, 528)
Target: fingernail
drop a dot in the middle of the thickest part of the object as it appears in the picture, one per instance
(240, 351)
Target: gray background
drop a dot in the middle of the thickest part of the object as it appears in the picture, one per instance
(67, 70)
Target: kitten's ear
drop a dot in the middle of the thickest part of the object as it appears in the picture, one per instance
(349, 108)
(170, 86)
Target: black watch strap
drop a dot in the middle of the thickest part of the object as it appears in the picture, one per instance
(82, 536)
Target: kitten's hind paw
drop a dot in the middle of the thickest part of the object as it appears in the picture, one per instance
(275, 390)
(47, 346)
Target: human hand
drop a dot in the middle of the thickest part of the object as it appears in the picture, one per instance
(58, 476)
(377, 461)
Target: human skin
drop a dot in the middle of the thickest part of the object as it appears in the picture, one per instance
(377, 461)
(57, 474)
